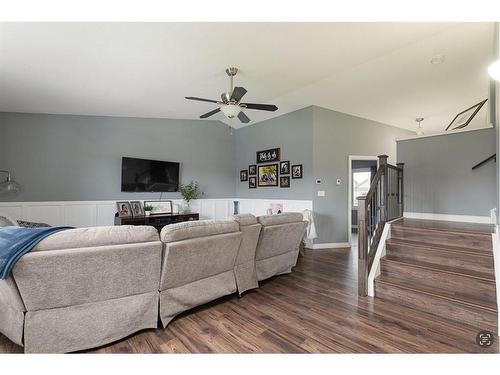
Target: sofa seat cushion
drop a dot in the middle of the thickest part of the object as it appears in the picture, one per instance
(288, 217)
(194, 229)
(245, 219)
(98, 236)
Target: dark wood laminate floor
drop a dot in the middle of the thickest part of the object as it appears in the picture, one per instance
(313, 310)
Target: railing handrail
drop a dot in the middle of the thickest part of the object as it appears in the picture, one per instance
(374, 210)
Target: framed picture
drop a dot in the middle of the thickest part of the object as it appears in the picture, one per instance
(266, 156)
(252, 170)
(285, 167)
(160, 207)
(244, 175)
(463, 118)
(252, 182)
(285, 181)
(137, 208)
(297, 171)
(268, 175)
(124, 209)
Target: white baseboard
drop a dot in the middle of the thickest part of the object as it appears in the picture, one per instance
(331, 245)
(446, 217)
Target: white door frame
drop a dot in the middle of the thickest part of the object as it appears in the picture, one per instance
(349, 193)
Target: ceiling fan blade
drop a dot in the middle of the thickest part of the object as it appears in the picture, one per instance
(261, 107)
(208, 114)
(243, 118)
(238, 93)
(202, 100)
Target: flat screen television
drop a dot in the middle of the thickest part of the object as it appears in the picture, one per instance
(141, 175)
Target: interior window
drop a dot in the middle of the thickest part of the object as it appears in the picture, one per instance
(360, 185)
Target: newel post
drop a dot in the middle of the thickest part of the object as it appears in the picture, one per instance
(362, 249)
(400, 188)
(382, 162)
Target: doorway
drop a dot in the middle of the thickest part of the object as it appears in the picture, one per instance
(362, 170)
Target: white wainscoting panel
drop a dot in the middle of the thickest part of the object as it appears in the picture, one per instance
(101, 213)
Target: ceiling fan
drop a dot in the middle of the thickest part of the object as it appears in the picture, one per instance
(231, 104)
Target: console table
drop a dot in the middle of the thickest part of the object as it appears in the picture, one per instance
(158, 221)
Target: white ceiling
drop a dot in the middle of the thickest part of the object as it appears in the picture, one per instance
(379, 71)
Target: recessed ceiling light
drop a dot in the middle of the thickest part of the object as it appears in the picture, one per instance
(438, 59)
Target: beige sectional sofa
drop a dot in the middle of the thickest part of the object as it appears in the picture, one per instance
(83, 288)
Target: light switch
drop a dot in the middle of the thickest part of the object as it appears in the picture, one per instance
(321, 193)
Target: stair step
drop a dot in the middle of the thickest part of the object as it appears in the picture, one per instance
(445, 281)
(447, 226)
(470, 261)
(466, 241)
(476, 315)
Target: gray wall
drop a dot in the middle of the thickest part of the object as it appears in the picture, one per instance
(336, 136)
(291, 132)
(60, 157)
(438, 177)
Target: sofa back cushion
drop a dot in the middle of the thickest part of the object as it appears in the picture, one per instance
(284, 218)
(98, 236)
(74, 276)
(280, 234)
(245, 219)
(195, 229)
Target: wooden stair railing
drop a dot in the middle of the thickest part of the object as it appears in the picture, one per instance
(382, 203)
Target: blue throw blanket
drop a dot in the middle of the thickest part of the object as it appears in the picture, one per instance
(17, 241)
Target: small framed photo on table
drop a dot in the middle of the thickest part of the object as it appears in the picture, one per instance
(124, 209)
(137, 208)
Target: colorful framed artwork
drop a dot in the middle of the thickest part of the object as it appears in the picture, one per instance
(267, 156)
(465, 117)
(243, 175)
(252, 170)
(285, 181)
(285, 167)
(268, 175)
(297, 171)
(252, 182)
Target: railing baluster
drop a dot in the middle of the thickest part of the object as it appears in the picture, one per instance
(362, 248)
(383, 202)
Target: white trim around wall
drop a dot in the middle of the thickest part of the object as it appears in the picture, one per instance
(446, 217)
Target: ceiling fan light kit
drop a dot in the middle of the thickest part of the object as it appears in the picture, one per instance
(230, 104)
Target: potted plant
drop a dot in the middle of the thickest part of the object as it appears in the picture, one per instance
(189, 192)
(147, 209)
